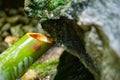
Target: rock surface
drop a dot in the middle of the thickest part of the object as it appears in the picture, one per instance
(88, 29)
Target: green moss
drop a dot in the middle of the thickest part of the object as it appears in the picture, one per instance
(45, 8)
(46, 68)
(56, 3)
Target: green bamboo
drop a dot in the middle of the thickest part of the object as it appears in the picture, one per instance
(17, 58)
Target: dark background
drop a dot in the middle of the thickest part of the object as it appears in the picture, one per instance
(11, 4)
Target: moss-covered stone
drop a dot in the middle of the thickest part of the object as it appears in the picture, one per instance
(88, 29)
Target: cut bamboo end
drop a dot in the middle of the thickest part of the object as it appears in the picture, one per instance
(40, 37)
(17, 58)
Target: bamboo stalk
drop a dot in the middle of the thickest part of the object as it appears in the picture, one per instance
(17, 58)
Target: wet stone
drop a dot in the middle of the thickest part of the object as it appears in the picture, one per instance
(71, 23)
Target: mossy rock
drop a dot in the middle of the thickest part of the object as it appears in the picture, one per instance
(88, 29)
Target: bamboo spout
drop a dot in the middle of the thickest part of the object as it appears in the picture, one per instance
(16, 59)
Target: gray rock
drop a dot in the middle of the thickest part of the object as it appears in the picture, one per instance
(88, 29)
